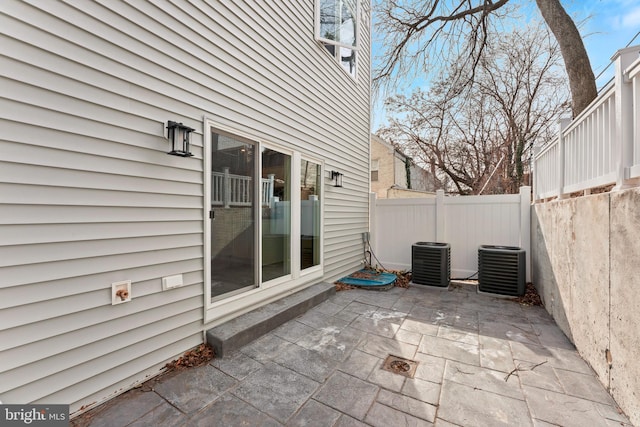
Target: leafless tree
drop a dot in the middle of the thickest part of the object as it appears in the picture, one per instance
(416, 34)
(478, 137)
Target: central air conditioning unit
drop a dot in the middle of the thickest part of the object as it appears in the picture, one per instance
(501, 270)
(431, 263)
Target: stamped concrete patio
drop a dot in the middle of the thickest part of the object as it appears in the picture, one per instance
(482, 361)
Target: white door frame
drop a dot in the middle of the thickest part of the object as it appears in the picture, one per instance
(219, 311)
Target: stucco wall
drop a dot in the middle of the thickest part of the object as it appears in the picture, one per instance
(585, 265)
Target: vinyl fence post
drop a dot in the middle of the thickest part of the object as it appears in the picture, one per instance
(440, 224)
(373, 224)
(624, 117)
(525, 226)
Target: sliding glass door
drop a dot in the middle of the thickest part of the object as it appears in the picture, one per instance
(265, 217)
(233, 223)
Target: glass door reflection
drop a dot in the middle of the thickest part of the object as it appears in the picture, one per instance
(276, 214)
(233, 229)
(310, 181)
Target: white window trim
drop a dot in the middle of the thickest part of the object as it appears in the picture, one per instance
(219, 311)
(357, 18)
(355, 47)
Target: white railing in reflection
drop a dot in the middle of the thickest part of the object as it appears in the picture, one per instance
(602, 145)
(229, 190)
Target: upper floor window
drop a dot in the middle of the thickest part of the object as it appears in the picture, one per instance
(337, 30)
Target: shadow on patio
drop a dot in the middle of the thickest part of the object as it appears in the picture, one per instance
(482, 361)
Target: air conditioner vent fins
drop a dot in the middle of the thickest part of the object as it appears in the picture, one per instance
(501, 270)
(431, 263)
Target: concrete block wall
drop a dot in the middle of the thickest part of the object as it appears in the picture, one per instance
(586, 267)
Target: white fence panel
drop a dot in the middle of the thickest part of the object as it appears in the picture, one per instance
(472, 221)
(465, 222)
(400, 222)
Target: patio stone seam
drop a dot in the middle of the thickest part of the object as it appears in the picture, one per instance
(324, 404)
(166, 401)
(333, 370)
(526, 401)
(253, 406)
(227, 391)
(174, 406)
(404, 412)
(488, 369)
(444, 369)
(458, 341)
(155, 407)
(373, 402)
(595, 402)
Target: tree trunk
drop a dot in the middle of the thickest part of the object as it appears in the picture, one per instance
(581, 79)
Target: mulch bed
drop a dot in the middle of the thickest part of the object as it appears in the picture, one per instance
(530, 297)
(198, 356)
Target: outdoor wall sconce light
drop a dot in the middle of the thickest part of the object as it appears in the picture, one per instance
(336, 177)
(179, 134)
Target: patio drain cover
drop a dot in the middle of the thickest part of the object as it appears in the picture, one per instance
(400, 365)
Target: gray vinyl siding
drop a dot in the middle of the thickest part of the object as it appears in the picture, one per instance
(88, 195)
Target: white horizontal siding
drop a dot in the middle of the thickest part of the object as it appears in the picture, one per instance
(99, 313)
(88, 195)
(93, 348)
(54, 252)
(78, 232)
(149, 348)
(34, 214)
(62, 288)
(20, 275)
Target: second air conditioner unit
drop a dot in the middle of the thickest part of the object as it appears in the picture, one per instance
(501, 270)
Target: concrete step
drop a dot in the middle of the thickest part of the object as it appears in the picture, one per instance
(240, 331)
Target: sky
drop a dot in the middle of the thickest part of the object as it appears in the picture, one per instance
(606, 26)
(612, 25)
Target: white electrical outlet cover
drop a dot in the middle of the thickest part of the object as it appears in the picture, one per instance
(171, 282)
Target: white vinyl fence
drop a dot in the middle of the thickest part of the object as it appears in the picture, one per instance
(601, 146)
(465, 222)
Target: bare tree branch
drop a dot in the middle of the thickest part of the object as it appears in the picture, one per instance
(415, 34)
(429, 24)
(467, 133)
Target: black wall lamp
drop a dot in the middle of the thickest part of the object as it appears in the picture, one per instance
(179, 134)
(336, 177)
